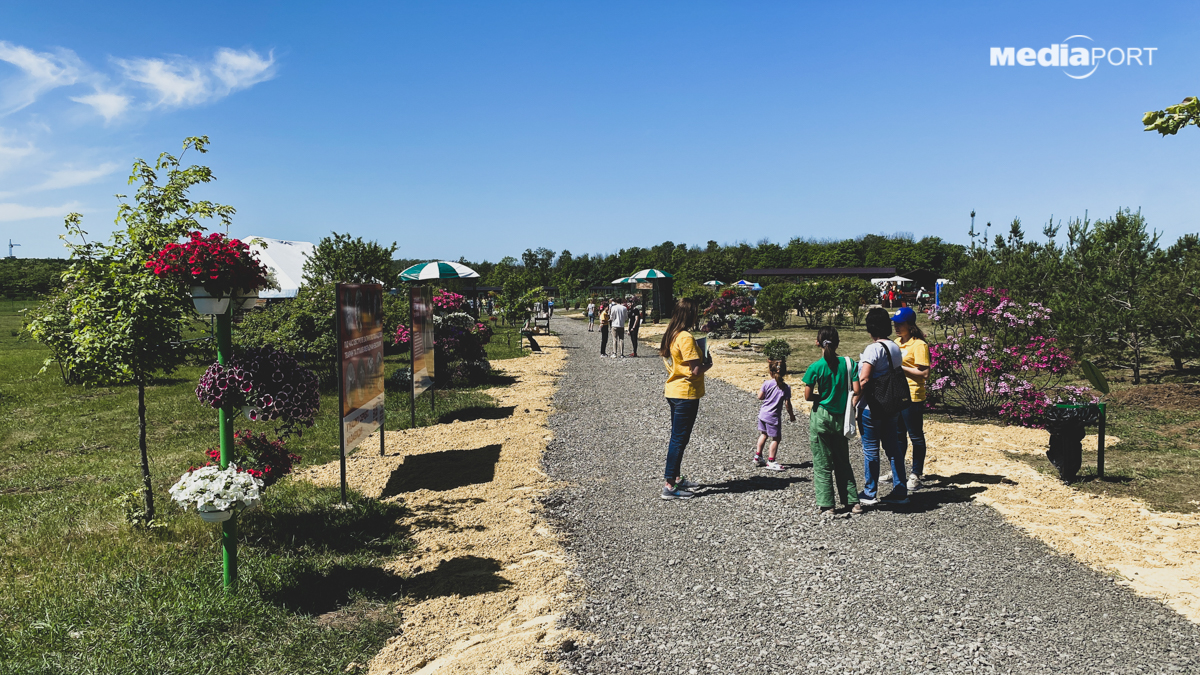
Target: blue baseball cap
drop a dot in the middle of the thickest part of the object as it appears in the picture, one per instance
(904, 315)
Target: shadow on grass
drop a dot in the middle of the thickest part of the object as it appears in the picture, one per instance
(319, 592)
(294, 521)
(477, 413)
(445, 470)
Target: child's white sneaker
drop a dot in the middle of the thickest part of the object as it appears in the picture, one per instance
(758, 460)
(774, 466)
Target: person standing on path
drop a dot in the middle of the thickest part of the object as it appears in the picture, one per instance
(684, 388)
(911, 424)
(775, 395)
(829, 383)
(618, 314)
(603, 328)
(635, 323)
(591, 314)
(877, 428)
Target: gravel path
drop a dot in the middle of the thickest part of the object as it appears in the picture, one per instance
(746, 578)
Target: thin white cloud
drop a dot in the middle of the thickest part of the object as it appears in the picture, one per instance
(10, 211)
(13, 151)
(239, 70)
(107, 104)
(65, 178)
(41, 73)
(180, 82)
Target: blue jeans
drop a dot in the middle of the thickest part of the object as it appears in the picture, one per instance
(912, 425)
(874, 432)
(683, 418)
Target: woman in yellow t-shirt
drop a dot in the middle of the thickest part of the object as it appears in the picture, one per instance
(911, 340)
(685, 385)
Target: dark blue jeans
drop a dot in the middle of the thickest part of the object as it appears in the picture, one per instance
(683, 418)
(876, 431)
(912, 425)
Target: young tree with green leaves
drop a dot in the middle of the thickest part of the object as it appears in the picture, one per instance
(126, 323)
(340, 259)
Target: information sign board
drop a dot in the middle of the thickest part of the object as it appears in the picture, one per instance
(360, 357)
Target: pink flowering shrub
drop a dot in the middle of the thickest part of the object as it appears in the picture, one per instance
(448, 301)
(999, 357)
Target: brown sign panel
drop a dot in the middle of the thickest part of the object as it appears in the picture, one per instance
(422, 339)
(360, 354)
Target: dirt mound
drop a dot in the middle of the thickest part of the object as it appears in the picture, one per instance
(1184, 397)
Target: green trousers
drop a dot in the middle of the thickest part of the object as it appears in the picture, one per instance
(831, 459)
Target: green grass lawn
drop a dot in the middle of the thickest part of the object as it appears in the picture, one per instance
(80, 592)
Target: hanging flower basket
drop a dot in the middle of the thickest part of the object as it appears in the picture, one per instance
(266, 384)
(216, 267)
(216, 493)
(206, 303)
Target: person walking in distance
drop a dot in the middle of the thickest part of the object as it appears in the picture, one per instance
(603, 328)
(684, 387)
(618, 314)
(591, 315)
(775, 396)
(830, 383)
(635, 323)
(911, 424)
(878, 427)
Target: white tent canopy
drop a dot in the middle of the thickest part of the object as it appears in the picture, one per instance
(285, 259)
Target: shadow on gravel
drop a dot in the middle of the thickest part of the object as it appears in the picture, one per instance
(477, 412)
(931, 499)
(465, 575)
(445, 470)
(968, 478)
(752, 484)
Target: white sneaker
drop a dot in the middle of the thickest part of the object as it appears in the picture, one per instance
(914, 483)
(886, 477)
(758, 461)
(774, 466)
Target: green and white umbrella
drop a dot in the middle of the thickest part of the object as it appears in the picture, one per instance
(625, 280)
(649, 274)
(714, 282)
(438, 270)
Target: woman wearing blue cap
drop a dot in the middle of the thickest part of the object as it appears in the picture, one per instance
(911, 340)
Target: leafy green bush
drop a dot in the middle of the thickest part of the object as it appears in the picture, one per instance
(749, 325)
(777, 349)
(775, 302)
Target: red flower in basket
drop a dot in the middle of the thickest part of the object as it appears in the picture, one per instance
(221, 265)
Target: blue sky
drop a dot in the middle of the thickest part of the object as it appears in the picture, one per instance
(481, 129)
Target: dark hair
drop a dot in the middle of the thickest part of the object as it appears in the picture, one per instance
(914, 330)
(683, 317)
(828, 334)
(777, 369)
(879, 324)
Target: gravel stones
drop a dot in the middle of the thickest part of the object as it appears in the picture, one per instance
(747, 578)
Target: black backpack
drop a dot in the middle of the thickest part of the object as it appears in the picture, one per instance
(888, 395)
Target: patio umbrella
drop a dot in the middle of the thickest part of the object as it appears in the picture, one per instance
(714, 282)
(438, 270)
(649, 274)
(897, 278)
(743, 282)
(625, 280)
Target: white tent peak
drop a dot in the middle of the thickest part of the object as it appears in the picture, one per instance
(285, 259)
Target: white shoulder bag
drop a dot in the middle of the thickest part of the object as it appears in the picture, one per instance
(848, 425)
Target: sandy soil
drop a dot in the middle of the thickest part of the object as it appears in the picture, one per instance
(487, 578)
(1156, 554)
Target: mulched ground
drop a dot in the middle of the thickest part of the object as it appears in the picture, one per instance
(746, 578)
(1182, 397)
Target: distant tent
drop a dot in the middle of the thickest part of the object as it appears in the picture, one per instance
(285, 259)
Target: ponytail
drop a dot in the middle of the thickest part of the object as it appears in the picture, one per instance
(828, 338)
(777, 369)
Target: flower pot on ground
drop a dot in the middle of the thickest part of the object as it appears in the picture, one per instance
(206, 303)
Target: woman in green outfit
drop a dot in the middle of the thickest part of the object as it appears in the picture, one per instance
(828, 383)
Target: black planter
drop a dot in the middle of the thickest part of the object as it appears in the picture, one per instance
(1067, 429)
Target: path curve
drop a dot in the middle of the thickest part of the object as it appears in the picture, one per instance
(746, 578)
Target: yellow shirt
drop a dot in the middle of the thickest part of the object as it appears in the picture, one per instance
(680, 381)
(916, 353)
(604, 317)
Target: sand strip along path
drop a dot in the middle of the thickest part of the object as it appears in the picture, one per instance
(487, 579)
(1156, 554)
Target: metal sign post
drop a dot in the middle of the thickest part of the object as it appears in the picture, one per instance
(225, 430)
(360, 367)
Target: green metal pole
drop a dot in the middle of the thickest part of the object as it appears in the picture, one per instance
(225, 425)
(1100, 441)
